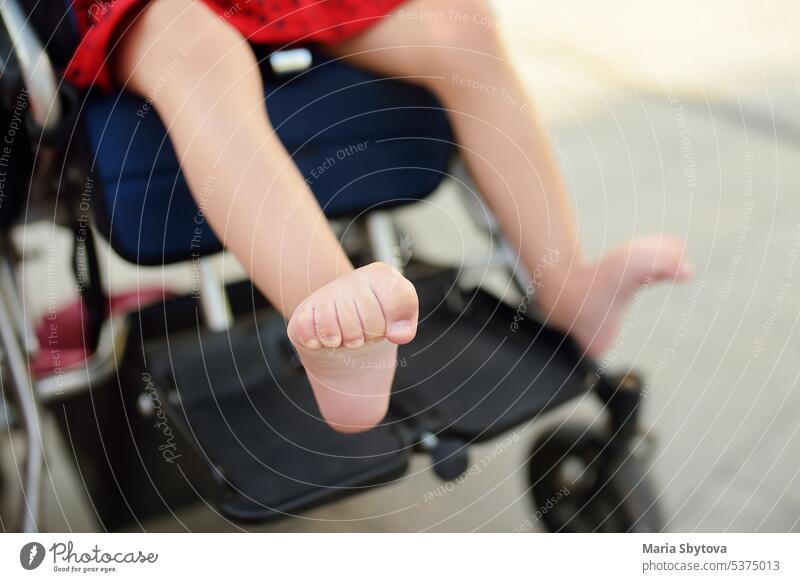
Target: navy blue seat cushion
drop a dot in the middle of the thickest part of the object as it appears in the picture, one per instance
(361, 142)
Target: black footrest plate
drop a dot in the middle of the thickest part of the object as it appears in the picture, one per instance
(479, 367)
(252, 414)
(242, 397)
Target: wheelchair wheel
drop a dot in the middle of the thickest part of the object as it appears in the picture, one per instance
(581, 485)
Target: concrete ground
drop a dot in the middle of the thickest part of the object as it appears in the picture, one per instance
(667, 117)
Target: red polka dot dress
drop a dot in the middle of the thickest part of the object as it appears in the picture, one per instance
(275, 22)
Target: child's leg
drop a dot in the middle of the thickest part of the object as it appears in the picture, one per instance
(203, 80)
(455, 52)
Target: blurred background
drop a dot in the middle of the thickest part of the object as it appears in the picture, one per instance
(678, 117)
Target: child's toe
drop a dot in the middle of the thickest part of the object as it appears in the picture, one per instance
(670, 261)
(370, 312)
(326, 324)
(349, 323)
(400, 307)
(301, 329)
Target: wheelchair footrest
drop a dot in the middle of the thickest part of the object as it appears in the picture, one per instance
(246, 402)
(475, 370)
(479, 367)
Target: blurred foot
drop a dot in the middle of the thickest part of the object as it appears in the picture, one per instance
(346, 335)
(593, 300)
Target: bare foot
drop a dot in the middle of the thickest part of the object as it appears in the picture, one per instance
(593, 300)
(346, 335)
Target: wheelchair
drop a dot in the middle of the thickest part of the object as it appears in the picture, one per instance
(169, 398)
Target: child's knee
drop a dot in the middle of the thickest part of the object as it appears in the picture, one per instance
(172, 38)
(462, 24)
(458, 33)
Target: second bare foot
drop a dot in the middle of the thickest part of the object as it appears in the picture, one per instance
(590, 305)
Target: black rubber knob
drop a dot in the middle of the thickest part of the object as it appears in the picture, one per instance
(450, 459)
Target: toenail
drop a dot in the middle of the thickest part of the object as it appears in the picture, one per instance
(354, 343)
(312, 344)
(400, 327)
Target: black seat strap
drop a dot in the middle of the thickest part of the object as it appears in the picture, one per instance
(86, 268)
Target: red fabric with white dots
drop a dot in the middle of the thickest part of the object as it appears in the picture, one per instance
(276, 22)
